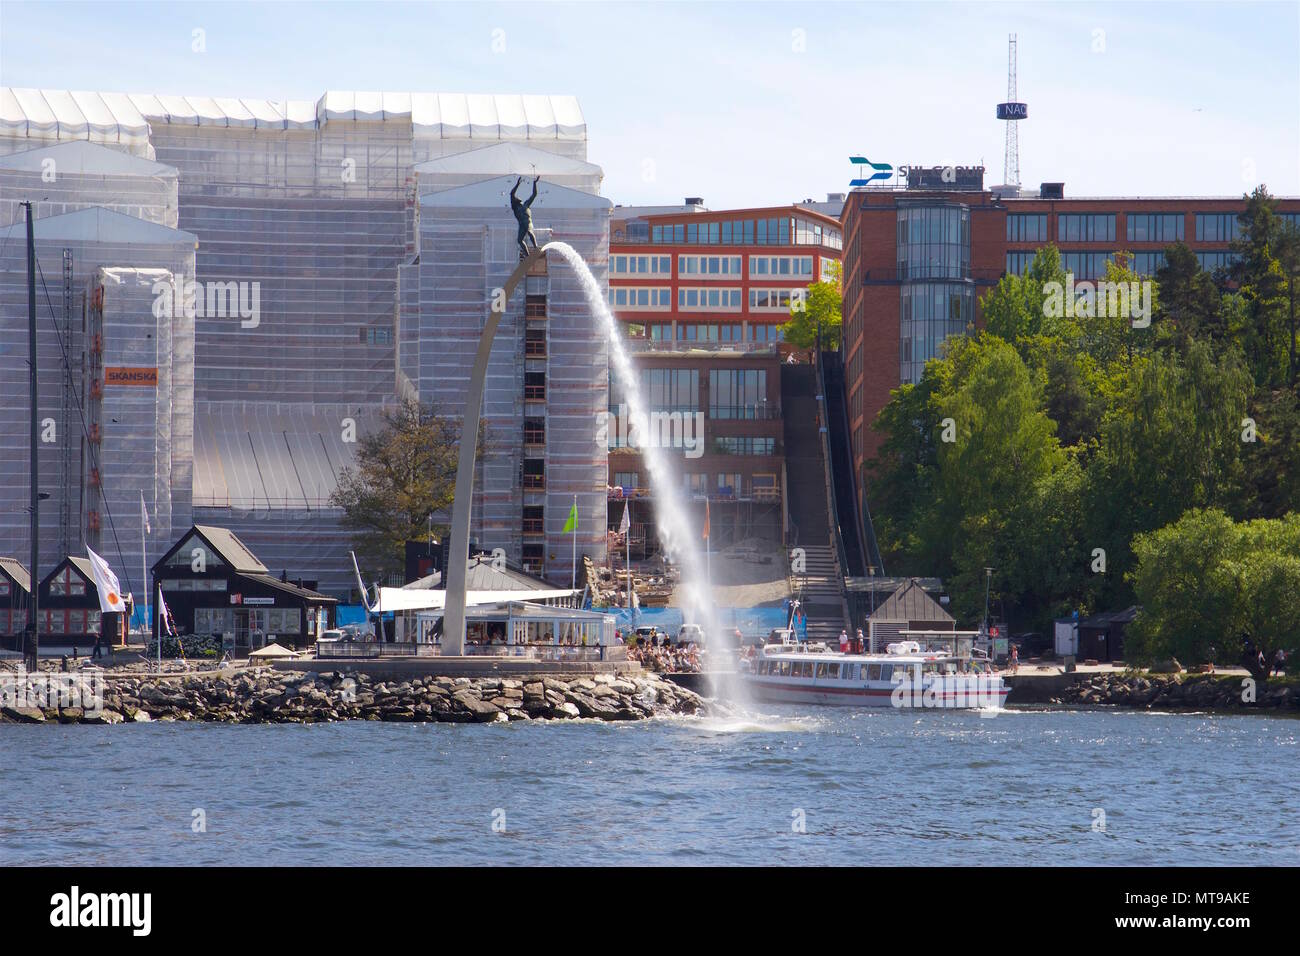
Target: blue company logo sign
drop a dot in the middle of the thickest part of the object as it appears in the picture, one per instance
(1013, 111)
(882, 170)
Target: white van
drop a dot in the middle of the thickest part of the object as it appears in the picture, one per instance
(690, 634)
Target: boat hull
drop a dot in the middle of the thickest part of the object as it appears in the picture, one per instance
(950, 694)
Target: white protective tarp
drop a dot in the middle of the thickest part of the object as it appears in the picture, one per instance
(405, 599)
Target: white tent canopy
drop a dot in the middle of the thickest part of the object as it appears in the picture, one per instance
(405, 599)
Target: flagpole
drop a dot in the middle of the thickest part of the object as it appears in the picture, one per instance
(158, 630)
(573, 577)
(144, 560)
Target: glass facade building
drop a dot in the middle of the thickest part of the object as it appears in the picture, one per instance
(937, 298)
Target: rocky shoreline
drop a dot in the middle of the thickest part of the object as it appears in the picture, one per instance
(1161, 692)
(264, 695)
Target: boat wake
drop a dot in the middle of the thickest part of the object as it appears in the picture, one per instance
(758, 724)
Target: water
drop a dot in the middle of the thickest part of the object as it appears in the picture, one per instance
(889, 788)
(680, 538)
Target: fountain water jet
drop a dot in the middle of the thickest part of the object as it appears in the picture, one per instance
(680, 538)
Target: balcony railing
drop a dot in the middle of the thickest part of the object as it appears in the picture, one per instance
(688, 345)
(763, 411)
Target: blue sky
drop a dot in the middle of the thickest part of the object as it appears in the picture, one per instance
(719, 101)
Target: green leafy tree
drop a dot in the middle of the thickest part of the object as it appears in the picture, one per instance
(404, 472)
(1212, 590)
(823, 305)
(1172, 441)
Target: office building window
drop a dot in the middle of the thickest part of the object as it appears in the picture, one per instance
(1086, 265)
(1027, 227)
(715, 299)
(640, 265)
(1217, 227)
(765, 333)
(640, 297)
(1018, 262)
(737, 393)
(1147, 263)
(744, 445)
(1213, 261)
(930, 312)
(778, 300)
(1085, 227)
(671, 389)
(793, 266)
(1155, 227)
(933, 242)
(705, 267)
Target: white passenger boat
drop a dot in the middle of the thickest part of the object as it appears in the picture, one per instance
(906, 676)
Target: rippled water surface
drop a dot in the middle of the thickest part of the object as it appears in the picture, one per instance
(929, 788)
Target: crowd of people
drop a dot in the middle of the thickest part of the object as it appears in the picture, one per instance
(657, 654)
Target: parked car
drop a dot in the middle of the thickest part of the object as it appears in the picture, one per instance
(647, 634)
(690, 634)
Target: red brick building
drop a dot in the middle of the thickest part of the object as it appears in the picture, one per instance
(917, 261)
(702, 295)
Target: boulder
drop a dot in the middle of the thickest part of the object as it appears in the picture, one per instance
(480, 710)
(24, 715)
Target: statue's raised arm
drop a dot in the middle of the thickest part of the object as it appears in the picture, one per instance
(524, 217)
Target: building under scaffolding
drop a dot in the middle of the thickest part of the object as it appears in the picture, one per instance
(124, 372)
(304, 212)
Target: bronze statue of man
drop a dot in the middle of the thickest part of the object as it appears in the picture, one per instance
(524, 217)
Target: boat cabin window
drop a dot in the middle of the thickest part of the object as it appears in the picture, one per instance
(886, 671)
(850, 671)
(785, 668)
(873, 672)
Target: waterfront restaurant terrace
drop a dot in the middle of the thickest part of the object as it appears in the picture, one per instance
(519, 629)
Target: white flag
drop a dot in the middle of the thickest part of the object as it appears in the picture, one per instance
(144, 515)
(626, 523)
(110, 592)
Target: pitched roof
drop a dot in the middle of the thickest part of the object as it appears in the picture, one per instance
(230, 549)
(17, 573)
(291, 589)
(911, 603)
(481, 575)
(491, 193)
(1107, 618)
(81, 157)
(97, 224)
(509, 158)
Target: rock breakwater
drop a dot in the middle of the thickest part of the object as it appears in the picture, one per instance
(264, 695)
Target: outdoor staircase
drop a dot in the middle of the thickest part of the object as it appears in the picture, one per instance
(819, 586)
(820, 591)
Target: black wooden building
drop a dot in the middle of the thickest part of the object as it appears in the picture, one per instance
(15, 597)
(214, 585)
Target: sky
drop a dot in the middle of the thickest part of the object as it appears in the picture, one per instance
(752, 104)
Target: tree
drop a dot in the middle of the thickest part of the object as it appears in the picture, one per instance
(1190, 305)
(404, 472)
(1214, 590)
(1171, 441)
(822, 305)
